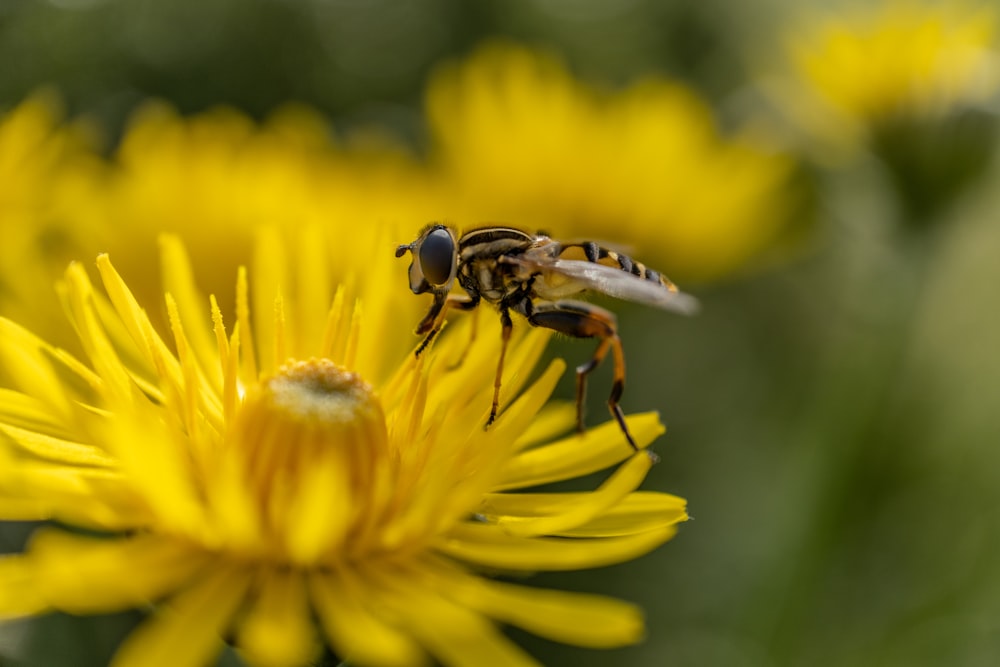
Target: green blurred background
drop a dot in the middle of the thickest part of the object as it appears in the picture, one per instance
(833, 418)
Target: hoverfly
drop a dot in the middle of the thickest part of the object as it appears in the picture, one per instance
(531, 274)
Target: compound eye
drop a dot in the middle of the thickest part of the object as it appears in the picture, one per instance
(437, 256)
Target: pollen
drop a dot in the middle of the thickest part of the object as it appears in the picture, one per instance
(318, 391)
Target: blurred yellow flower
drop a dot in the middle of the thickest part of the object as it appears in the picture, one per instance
(520, 141)
(216, 177)
(47, 169)
(213, 178)
(894, 60)
(279, 478)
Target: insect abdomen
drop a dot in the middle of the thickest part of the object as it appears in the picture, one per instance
(592, 252)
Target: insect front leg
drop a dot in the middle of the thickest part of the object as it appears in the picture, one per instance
(434, 319)
(583, 320)
(473, 332)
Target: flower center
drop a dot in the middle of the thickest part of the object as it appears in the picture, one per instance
(314, 444)
(319, 392)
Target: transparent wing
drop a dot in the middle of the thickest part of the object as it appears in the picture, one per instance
(614, 282)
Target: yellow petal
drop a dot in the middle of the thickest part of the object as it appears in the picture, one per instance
(490, 546)
(278, 629)
(584, 507)
(638, 512)
(160, 469)
(456, 636)
(115, 378)
(27, 412)
(58, 450)
(356, 633)
(555, 419)
(188, 630)
(156, 354)
(178, 281)
(24, 509)
(270, 270)
(577, 455)
(321, 505)
(592, 621)
(91, 575)
(25, 363)
(498, 441)
(82, 497)
(19, 588)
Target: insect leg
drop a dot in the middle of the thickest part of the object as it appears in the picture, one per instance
(473, 332)
(434, 319)
(583, 320)
(581, 379)
(507, 328)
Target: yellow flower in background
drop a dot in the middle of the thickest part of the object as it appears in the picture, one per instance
(47, 169)
(520, 141)
(213, 178)
(216, 177)
(276, 476)
(893, 61)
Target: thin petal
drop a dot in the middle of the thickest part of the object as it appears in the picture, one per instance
(278, 629)
(188, 630)
(91, 575)
(580, 510)
(115, 378)
(57, 450)
(27, 412)
(82, 497)
(496, 445)
(21, 353)
(578, 455)
(638, 512)
(270, 270)
(592, 621)
(160, 468)
(354, 631)
(322, 506)
(156, 355)
(178, 280)
(19, 588)
(490, 546)
(555, 419)
(455, 635)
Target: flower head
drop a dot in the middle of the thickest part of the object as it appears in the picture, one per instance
(284, 465)
(896, 61)
(520, 140)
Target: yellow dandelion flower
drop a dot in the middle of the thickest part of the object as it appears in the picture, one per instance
(893, 61)
(281, 479)
(521, 141)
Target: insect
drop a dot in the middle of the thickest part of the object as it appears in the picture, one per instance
(531, 274)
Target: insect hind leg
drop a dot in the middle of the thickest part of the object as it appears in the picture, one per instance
(583, 320)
